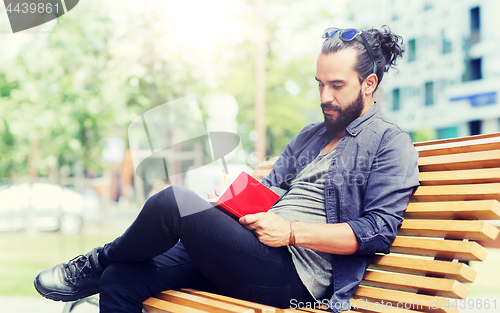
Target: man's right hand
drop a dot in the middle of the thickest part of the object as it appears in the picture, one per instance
(216, 192)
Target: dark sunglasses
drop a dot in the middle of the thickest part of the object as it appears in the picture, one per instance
(349, 34)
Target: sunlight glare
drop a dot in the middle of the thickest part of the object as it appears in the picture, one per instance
(204, 24)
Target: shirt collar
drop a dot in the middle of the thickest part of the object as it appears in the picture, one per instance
(361, 122)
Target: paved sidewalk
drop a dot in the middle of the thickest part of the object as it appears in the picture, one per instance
(15, 304)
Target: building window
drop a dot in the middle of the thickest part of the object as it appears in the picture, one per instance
(412, 50)
(445, 43)
(429, 93)
(473, 70)
(396, 99)
(475, 128)
(475, 25)
(448, 132)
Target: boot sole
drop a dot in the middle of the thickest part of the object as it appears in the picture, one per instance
(64, 297)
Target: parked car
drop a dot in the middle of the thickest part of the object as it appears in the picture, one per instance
(47, 207)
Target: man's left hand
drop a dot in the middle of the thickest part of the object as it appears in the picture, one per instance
(270, 229)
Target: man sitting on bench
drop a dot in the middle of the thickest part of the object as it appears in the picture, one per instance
(348, 181)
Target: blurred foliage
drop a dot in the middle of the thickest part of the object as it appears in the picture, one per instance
(423, 134)
(286, 112)
(291, 94)
(92, 74)
(80, 84)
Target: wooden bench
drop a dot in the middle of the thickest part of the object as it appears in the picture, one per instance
(460, 188)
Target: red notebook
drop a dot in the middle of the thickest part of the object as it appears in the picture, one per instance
(245, 195)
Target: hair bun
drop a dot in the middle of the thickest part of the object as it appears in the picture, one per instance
(391, 45)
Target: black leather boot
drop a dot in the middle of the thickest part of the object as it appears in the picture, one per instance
(77, 279)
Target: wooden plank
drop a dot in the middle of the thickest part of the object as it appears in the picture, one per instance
(201, 303)
(360, 305)
(258, 308)
(462, 161)
(434, 268)
(470, 210)
(403, 299)
(472, 230)
(433, 286)
(260, 173)
(483, 144)
(442, 249)
(457, 192)
(154, 305)
(474, 176)
(458, 139)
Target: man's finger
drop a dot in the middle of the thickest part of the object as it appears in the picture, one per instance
(211, 195)
(218, 190)
(250, 218)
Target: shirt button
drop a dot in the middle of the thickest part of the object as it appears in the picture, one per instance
(302, 163)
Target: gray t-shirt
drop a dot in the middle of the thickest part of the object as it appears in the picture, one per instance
(305, 202)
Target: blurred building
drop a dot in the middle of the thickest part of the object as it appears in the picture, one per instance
(448, 82)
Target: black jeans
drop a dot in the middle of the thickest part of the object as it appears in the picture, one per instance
(215, 254)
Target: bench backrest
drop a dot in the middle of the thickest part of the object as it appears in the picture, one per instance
(460, 188)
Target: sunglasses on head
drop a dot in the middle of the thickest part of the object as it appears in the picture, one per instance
(348, 34)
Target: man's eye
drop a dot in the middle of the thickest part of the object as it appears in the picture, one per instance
(337, 86)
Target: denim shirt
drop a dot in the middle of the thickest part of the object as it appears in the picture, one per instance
(369, 182)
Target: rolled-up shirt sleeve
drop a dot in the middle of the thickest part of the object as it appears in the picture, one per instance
(392, 180)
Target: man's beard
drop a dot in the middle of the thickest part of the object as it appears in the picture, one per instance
(346, 116)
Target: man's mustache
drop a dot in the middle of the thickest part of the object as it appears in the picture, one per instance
(331, 107)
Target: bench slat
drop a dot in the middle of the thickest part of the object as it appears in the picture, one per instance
(471, 210)
(465, 140)
(484, 144)
(474, 176)
(417, 302)
(435, 268)
(258, 308)
(473, 230)
(457, 192)
(444, 287)
(200, 303)
(153, 305)
(462, 161)
(442, 249)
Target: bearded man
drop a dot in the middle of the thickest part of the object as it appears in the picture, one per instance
(347, 181)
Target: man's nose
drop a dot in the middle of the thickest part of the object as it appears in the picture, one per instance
(326, 95)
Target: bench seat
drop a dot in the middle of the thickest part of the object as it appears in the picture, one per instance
(428, 264)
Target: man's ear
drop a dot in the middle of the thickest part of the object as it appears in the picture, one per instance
(370, 84)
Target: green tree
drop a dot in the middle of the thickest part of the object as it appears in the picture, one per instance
(292, 99)
(83, 81)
